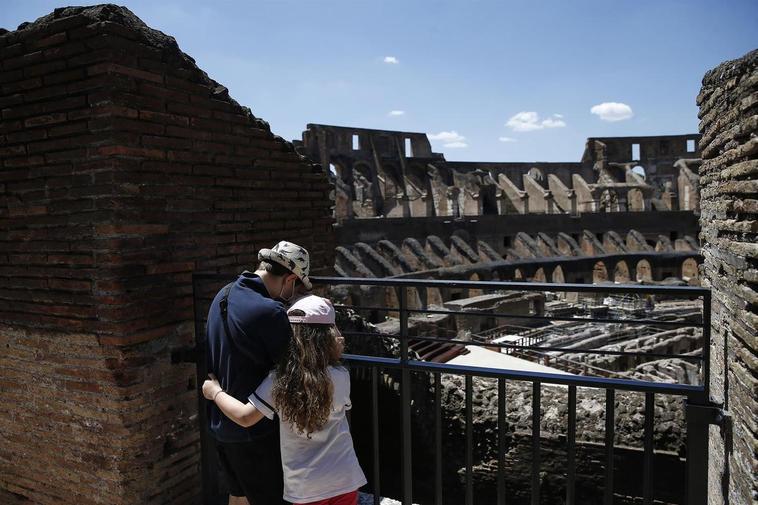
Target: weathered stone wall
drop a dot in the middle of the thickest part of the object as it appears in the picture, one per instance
(729, 205)
(124, 169)
(384, 173)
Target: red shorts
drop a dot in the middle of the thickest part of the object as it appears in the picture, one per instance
(343, 499)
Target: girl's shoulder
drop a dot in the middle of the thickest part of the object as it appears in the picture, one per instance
(339, 370)
(339, 374)
(341, 381)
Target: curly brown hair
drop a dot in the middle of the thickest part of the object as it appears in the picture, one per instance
(303, 389)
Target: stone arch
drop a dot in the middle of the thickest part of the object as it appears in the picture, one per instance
(390, 189)
(599, 273)
(418, 189)
(539, 275)
(337, 169)
(363, 190)
(644, 271)
(518, 275)
(388, 183)
(621, 272)
(690, 272)
(558, 275)
(363, 169)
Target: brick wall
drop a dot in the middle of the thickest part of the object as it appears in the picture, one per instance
(729, 218)
(124, 169)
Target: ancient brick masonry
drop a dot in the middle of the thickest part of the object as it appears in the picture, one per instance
(729, 205)
(124, 169)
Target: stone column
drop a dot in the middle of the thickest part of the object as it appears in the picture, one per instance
(572, 198)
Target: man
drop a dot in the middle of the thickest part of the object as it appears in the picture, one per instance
(248, 330)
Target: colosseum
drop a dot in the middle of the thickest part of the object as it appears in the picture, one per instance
(575, 332)
(626, 213)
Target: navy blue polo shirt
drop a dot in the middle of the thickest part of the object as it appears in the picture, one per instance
(260, 334)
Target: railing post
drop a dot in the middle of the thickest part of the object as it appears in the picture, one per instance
(405, 394)
(469, 440)
(699, 418)
(610, 431)
(375, 432)
(647, 468)
(697, 456)
(437, 439)
(536, 417)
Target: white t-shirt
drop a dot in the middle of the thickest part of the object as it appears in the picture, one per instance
(325, 465)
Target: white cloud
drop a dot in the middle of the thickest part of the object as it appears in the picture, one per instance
(554, 122)
(396, 113)
(612, 111)
(524, 122)
(451, 136)
(456, 145)
(527, 121)
(391, 59)
(451, 139)
(506, 139)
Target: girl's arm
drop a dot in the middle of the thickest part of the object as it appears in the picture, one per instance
(244, 414)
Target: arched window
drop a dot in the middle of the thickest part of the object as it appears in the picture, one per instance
(621, 273)
(644, 271)
(599, 273)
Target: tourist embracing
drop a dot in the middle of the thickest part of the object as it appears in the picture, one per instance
(310, 393)
(248, 332)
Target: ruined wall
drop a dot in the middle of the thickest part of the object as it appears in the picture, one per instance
(729, 204)
(124, 169)
(385, 173)
(658, 149)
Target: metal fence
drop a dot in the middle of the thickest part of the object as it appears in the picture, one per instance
(699, 412)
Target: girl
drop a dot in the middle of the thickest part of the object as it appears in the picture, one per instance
(310, 392)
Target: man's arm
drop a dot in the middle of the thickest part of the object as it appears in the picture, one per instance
(244, 414)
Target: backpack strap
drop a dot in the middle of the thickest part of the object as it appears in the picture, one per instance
(224, 306)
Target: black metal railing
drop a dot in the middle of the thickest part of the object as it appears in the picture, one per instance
(699, 412)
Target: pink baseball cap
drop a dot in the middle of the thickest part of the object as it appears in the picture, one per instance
(317, 310)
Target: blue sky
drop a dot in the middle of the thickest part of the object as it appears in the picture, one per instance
(491, 80)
